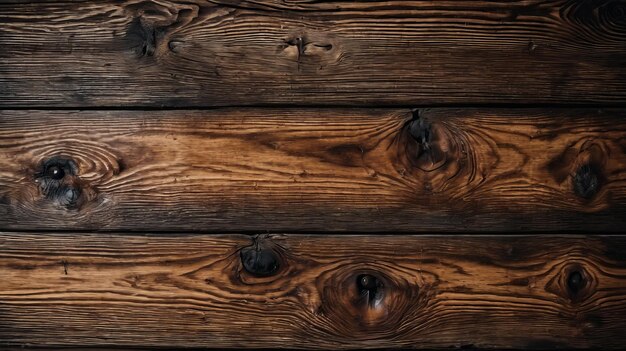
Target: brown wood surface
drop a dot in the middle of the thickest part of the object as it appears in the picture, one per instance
(305, 52)
(299, 170)
(423, 291)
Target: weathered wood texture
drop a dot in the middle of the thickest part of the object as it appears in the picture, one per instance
(314, 170)
(313, 291)
(224, 52)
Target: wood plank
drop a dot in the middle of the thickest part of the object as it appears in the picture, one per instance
(314, 170)
(313, 291)
(223, 52)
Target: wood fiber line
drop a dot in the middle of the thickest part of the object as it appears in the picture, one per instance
(223, 52)
(377, 170)
(310, 291)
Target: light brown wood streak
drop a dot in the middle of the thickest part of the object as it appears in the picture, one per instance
(434, 291)
(314, 170)
(217, 53)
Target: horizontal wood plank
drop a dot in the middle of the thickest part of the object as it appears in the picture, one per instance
(311, 291)
(314, 170)
(224, 52)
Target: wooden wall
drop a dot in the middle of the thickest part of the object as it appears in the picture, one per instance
(313, 174)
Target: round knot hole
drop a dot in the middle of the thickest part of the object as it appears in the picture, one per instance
(586, 181)
(58, 181)
(260, 261)
(575, 281)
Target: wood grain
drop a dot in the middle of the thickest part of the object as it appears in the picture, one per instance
(419, 291)
(305, 52)
(314, 170)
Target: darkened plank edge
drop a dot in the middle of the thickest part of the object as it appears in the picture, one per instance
(619, 105)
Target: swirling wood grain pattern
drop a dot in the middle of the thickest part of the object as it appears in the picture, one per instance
(223, 52)
(314, 170)
(326, 291)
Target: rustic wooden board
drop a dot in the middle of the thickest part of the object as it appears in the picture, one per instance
(224, 52)
(324, 292)
(314, 170)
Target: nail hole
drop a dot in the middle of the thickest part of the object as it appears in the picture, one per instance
(367, 282)
(55, 172)
(299, 43)
(424, 144)
(370, 287)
